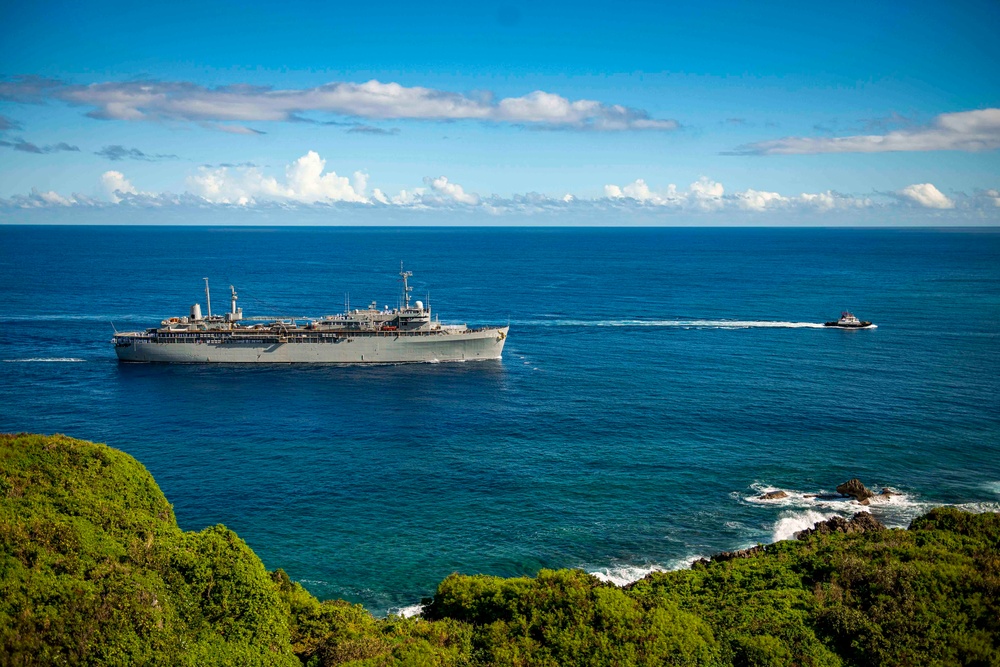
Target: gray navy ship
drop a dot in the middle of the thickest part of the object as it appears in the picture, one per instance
(406, 334)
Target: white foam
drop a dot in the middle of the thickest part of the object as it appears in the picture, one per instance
(802, 510)
(49, 360)
(625, 574)
(827, 500)
(407, 612)
(705, 324)
(793, 522)
(992, 487)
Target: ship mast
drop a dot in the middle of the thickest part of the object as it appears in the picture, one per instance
(208, 298)
(406, 288)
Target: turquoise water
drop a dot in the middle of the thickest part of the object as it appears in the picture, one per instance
(654, 382)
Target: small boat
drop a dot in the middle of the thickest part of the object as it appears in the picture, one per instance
(848, 321)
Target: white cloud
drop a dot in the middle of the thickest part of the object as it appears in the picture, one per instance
(304, 183)
(821, 200)
(961, 131)
(927, 195)
(708, 195)
(116, 185)
(758, 200)
(704, 194)
(454, 191)
(54, 198)
(184, 101)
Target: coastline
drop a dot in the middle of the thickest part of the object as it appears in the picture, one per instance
(86, 528)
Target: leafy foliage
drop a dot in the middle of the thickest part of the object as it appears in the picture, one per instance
(94, 570)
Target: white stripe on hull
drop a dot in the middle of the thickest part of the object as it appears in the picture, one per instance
(377, 349)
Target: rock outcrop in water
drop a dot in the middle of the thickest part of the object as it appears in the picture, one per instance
(773, 495)
(95, 571)
(855, 489)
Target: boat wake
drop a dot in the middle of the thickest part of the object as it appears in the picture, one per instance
(687, 324)
(50, 360)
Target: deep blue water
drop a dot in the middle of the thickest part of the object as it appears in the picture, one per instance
(646, 394)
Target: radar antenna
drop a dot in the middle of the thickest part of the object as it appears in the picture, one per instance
(406, 288)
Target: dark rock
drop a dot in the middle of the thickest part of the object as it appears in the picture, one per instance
(732, 555)
(862, 522)
(773, 495)
(855, 489)
(879, 498)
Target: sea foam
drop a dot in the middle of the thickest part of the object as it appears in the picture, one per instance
(794, 522)
(408, 611)
(622, 575)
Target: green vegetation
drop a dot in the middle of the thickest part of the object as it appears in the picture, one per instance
(94, 570)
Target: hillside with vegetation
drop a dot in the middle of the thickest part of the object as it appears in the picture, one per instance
(95, 570)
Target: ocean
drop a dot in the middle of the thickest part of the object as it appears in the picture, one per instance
(654, 383)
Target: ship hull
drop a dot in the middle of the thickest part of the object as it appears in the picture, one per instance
(381, 348)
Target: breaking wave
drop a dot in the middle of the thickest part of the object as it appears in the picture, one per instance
(622, 575)
(801, 509)
(64, 360)
(407, 612)
(625, 574)
(793, 522)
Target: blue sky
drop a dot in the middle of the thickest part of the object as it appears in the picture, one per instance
(500, 113)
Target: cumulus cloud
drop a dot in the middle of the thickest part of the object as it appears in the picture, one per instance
(708, 195)
(639, 191)
(758, 200)
(305, 182)
(116, 152)
(116, 185)
(969, 131)
(927, 196)
(453, 191)
(704, 194)
(47, 199)
(184, 101)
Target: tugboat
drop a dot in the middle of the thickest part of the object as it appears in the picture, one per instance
(848, 321)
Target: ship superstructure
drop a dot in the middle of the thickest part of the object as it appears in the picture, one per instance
(848, 321)
(404, 334)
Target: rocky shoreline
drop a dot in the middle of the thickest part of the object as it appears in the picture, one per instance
(98, 572)
(851, 489)
(861, 522)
